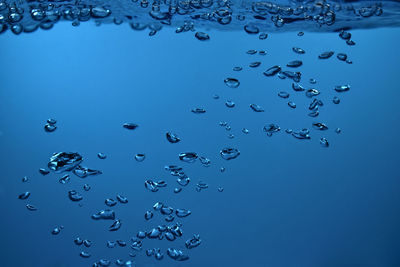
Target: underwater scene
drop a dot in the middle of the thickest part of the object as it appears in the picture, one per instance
(194, 133)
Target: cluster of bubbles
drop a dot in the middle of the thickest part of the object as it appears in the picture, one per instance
(68, 163)
(254, 17)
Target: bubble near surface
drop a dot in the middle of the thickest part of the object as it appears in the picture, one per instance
(202, 36)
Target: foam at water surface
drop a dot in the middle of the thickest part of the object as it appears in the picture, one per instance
(252, 16)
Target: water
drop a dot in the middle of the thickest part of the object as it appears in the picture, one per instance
(201, 109)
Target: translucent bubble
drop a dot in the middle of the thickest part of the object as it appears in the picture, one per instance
(151, 185)
(115, 226)
(101, 156)
(320, 126)
(100, 12)
(312, 92)
(229, 153)
(256, 108)
(272, 71)
(350, 42)
(172, 138)
(230, 104)
(314, 114)
(86, 187)
(297, 87)
(110, 202)
(271, 129)
(292, 104)
(139, 157)
(195, 241)
(64, 179)
(336, 100)
(202, 36)
(283, 94)
(122, 199)
(64, 161)
(188, 157)
(78, 241)
(198, 110)
(345, 35)
(254, 64)
(298, 50)
(251, 29)
(49, 127)
(342, 88)
(83, 172)
(182, 213)
(324, 142)
(24, 195)
(177, 190)
(295, 63)
(232, 82)
(130, 126)
(341, 56)
(263, 36)
(84, 254)
(104, 215)
(87, 243)
(74, 195)
(31, 207)
(326, 55)
(177, 255)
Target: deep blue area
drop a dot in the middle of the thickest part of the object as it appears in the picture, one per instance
(286, 202)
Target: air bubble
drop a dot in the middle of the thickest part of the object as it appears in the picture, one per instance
(272, 71)
(255, 64)
(294, 64)
(189, 157)
(298, 50)
(130, 126)
(101, 156)
(292, 104)
(229, 153)
(24, 195)
(336, 100)
(115, 226)
(250, 29)
(342, 88)
(139, 157)
(283, 94)
(256, 108)
(326, 55)
(230, 104)
(232, 82)
(324, 142)
(202, 36)
(198, 110)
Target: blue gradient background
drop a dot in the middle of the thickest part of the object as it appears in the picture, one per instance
(286, 202)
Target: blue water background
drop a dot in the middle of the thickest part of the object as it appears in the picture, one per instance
(286, 202)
